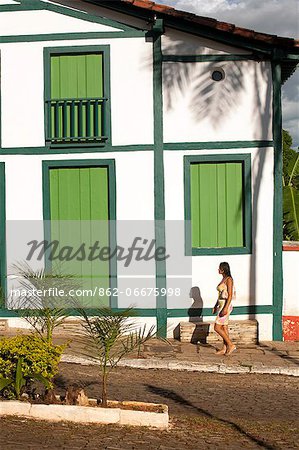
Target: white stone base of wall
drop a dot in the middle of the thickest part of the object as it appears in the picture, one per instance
(244, 332)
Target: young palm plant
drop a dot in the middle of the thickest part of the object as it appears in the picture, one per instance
(40, 303)
(112, 336)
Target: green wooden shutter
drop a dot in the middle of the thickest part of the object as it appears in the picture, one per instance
(79, 207)
(217, 205)
(77, 77)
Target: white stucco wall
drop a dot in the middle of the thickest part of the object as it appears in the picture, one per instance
(176, 42)
(290, 283)
(97, 10)
(196, 108)
(43, 22)
(252, 273)
(8, 2)
(22, 91)
(134, 175)
(135, 181)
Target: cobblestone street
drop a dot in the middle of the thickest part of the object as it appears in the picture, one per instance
(207, 411)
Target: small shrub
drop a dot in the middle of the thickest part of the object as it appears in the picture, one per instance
(16, 386)
(37, 357)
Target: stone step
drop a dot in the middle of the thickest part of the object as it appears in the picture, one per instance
(244, 332)
(69, 326)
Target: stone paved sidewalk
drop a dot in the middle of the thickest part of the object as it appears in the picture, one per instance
(267, 357)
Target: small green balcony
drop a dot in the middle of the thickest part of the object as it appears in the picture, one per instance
(80, 120)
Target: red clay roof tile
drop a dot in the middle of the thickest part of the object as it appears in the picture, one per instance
(209, 22)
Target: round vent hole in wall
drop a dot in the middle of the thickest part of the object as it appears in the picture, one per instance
(218, 75)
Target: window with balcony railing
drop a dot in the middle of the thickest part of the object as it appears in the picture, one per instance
(77, 105)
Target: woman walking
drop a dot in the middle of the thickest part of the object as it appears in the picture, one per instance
(224, 307)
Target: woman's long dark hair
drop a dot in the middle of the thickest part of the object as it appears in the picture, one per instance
(226, 269)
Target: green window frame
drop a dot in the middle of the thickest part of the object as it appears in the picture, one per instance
(219, 170)
(88, 163)
(70, 113)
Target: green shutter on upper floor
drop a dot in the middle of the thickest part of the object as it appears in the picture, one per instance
(77, 77)
(217, 205)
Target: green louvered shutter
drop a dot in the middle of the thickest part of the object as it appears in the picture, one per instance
(217, 205)
(77, 77)
(79, 214)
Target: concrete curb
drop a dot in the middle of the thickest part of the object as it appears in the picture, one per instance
(87, 414)
(190, 366)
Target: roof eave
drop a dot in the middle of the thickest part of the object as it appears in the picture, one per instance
(272, 46)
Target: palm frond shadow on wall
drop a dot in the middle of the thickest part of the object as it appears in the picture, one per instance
(209, 99)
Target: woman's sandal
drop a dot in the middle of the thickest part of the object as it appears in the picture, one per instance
(231, 351)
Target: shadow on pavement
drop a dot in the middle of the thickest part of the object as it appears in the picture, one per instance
(279, 353)
(166, 393)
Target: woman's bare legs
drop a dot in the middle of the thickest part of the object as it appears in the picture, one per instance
(222, 351)
(232, 347)
(222, 330)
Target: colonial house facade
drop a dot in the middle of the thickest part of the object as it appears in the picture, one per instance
(153, 119)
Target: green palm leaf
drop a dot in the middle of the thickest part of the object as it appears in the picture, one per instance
(42, 379)
(20, 381)
(4, 382)
(291, 212)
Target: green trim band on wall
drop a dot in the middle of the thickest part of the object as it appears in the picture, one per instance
(206, 58)
(84, 49)
(29, 6)
(291, 56)
(216, 145)
(104, 148)
(171, 313)
(277, 204)
(70, 149)
(159, 198)
(238, 310)
(71, 36)
(137, 312)
(3, 279)
(110, 163)
(0, 100)
(247, 224)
